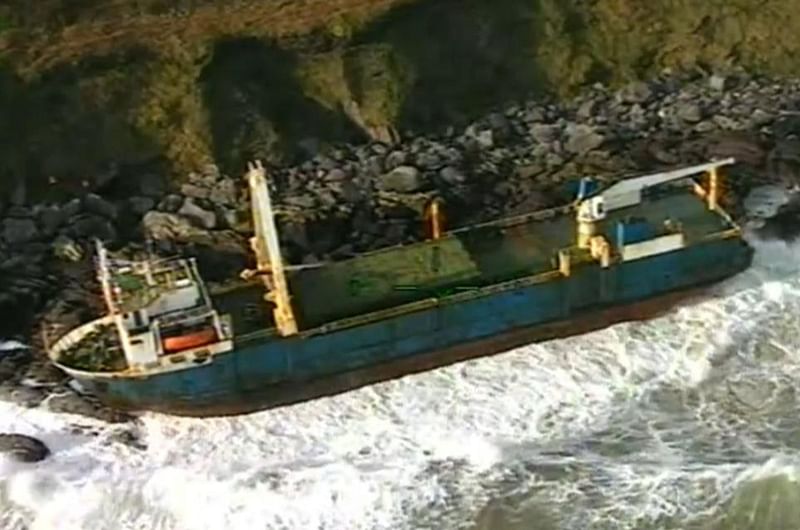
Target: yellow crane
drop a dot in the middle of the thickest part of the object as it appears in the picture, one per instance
(267, 250)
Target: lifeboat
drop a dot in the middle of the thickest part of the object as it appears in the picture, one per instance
(189, 340)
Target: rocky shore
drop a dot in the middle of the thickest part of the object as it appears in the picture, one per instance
(347, 199)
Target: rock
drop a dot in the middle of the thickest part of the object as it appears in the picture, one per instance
(350, 192)
(477, 139)
(745, 149)
(783, 162)
(151, 185)
(296, 233)
(202, 217)
(325, 163)
(93, 226)
(395, 159)
(485, 139)
(327, 199)
(72, 208)
(97, 205)
(19, 192)
(194, 191)
(553, 160)
(787, 126)
(42, 374)
(50, 219)
(705, 127)
(760, 118)
(638, 92)
(171, 203)
(503, 189)
(529, 171)
(69, 402)
(583, 139)
(532, 202)
(310, 146)
(402, 179)
(428, 160)
(451, 175)
(230, 217)
(211, 173)
(224, 193)
(374, 165)
(718, 82)
(726, 123)
(662, 153)
(67, 249)
(304, 201)
(169, 226)
(786, 150)
(545, 134)
(8, 370)
(689, 112)
(13, 361)
(586, 110)
(23, 448)
(499, 124)
(129, 438)
(765, 201)
(222, 256)
(452, 155)
(9, 347)
(335, 175)
(141, 205)
(19, 231)
(26, 396)
(379, 148)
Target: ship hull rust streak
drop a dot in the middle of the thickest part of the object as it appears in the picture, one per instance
(277, 373)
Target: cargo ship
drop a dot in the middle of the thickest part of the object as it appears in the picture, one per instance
(171, 344)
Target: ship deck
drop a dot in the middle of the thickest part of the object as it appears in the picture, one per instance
(462, 259)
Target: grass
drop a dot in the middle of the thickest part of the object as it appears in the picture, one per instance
(35, 51)
(94, 81)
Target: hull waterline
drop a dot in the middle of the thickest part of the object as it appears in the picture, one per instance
(293, 392)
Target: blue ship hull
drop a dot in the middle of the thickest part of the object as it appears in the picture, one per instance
(320, 362)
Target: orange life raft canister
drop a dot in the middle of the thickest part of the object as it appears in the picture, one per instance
(190, 340)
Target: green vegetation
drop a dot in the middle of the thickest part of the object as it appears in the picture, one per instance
(98, 352)
(5, 22)
(149, 81)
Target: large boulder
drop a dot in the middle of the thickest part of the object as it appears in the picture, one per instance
(202, 217)
(23, 448)
(402, 179)
(169, 226)
(18, 231)
(583, 139)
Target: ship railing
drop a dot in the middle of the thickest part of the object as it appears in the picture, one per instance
(75, 336)
(420, 305)
(538, 215)
(179, 316)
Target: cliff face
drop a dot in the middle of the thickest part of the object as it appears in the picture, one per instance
(85, 85)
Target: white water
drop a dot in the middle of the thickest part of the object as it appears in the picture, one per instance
(430, 450)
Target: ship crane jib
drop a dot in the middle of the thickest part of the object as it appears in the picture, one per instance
(266, 248)
(629, 192)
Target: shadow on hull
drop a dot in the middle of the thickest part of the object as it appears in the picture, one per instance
(290, 393)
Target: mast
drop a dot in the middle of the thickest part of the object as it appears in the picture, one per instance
(434, 216)
(268, 252)
(104, 276)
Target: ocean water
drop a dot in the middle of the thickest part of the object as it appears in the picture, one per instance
(688, 421)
